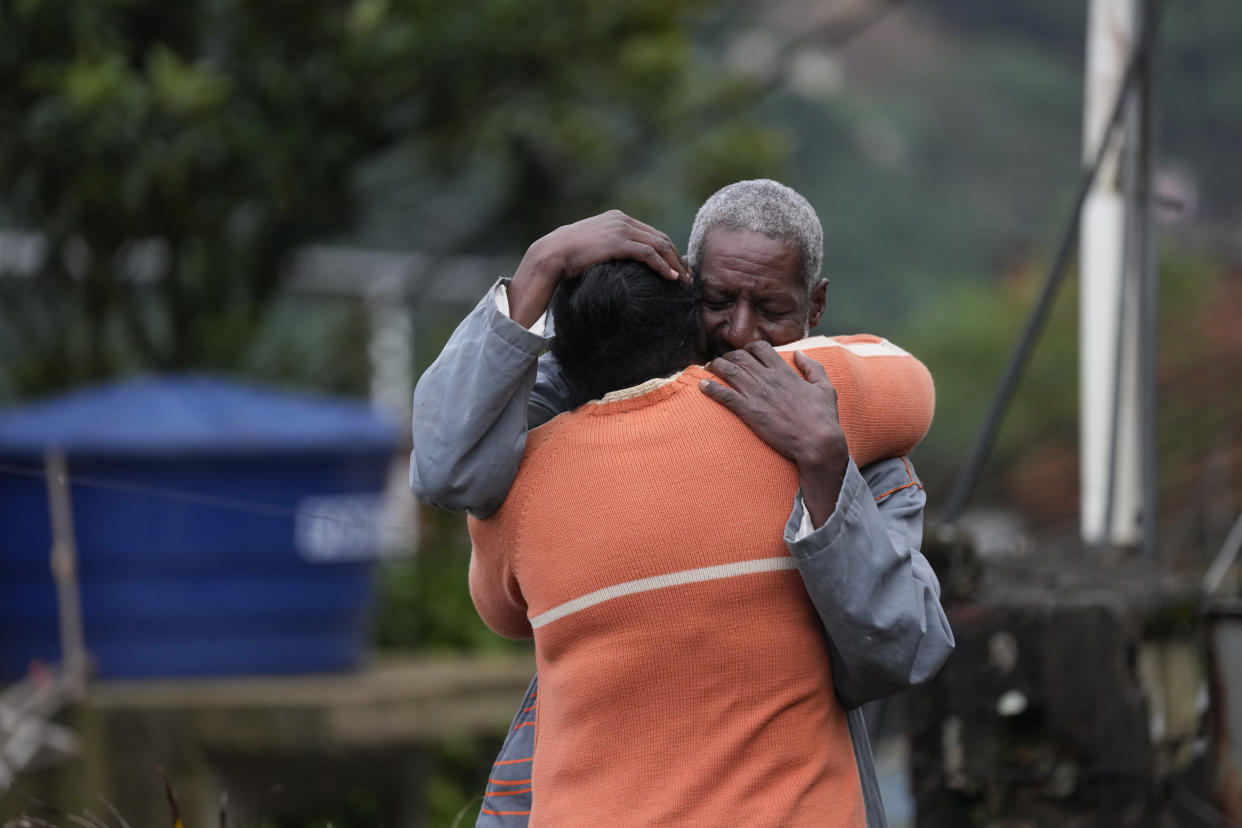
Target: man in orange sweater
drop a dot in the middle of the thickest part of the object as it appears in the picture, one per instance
(678, 653)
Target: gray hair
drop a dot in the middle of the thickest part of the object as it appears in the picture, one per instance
(762, 206)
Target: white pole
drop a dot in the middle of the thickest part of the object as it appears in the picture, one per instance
(391, 349)
(1109, 460)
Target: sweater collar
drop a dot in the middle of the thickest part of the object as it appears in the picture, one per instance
(637, 390)
(647, 393)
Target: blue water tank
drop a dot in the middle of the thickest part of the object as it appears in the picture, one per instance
(221, 529)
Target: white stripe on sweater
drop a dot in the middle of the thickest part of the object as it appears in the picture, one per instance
(862, 349)
(671, 579)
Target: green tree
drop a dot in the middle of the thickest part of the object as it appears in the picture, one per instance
(171, 155)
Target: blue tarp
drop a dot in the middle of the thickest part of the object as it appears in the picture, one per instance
(191, 414)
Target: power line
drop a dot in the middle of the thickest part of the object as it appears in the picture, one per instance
(966, 480)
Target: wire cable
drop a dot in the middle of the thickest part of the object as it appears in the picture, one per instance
(199, 498)
(966, 480)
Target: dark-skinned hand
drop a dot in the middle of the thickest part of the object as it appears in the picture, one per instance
(795, 414)
(567, 251)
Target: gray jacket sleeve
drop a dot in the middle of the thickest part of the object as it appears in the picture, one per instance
(471, 410)
(877, 595)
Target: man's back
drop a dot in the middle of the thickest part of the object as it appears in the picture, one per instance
(684, 679)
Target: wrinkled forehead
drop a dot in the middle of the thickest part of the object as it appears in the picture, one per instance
(737, 261)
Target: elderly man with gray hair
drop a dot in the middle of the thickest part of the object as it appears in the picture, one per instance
(756, 251)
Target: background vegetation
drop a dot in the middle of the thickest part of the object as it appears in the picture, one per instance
(170, 157)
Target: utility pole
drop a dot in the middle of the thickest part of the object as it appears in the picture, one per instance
(1116, 310)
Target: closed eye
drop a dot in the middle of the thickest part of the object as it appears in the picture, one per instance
(775, 313)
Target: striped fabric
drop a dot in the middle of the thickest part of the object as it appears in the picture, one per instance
(508, 799)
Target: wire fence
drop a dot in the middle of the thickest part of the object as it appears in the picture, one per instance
(242, 505)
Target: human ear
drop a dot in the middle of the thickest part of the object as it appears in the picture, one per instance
(818, 302)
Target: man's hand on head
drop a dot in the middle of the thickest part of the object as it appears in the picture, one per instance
(795, 414)
(567, 251)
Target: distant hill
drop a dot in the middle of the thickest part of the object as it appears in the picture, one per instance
(951, 148)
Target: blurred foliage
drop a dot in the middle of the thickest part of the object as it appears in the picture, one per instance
(935, 168)
(968, 365)
(447, 776)
(311, 341)
(208, 141)
(425, 600)
(952, 144)
(171, 156)
(458, 770)
(1198, 86)
(1034, 464)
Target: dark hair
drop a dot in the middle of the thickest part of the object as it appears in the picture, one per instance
(620, 324)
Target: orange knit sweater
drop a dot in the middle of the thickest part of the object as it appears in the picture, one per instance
(683, 674)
